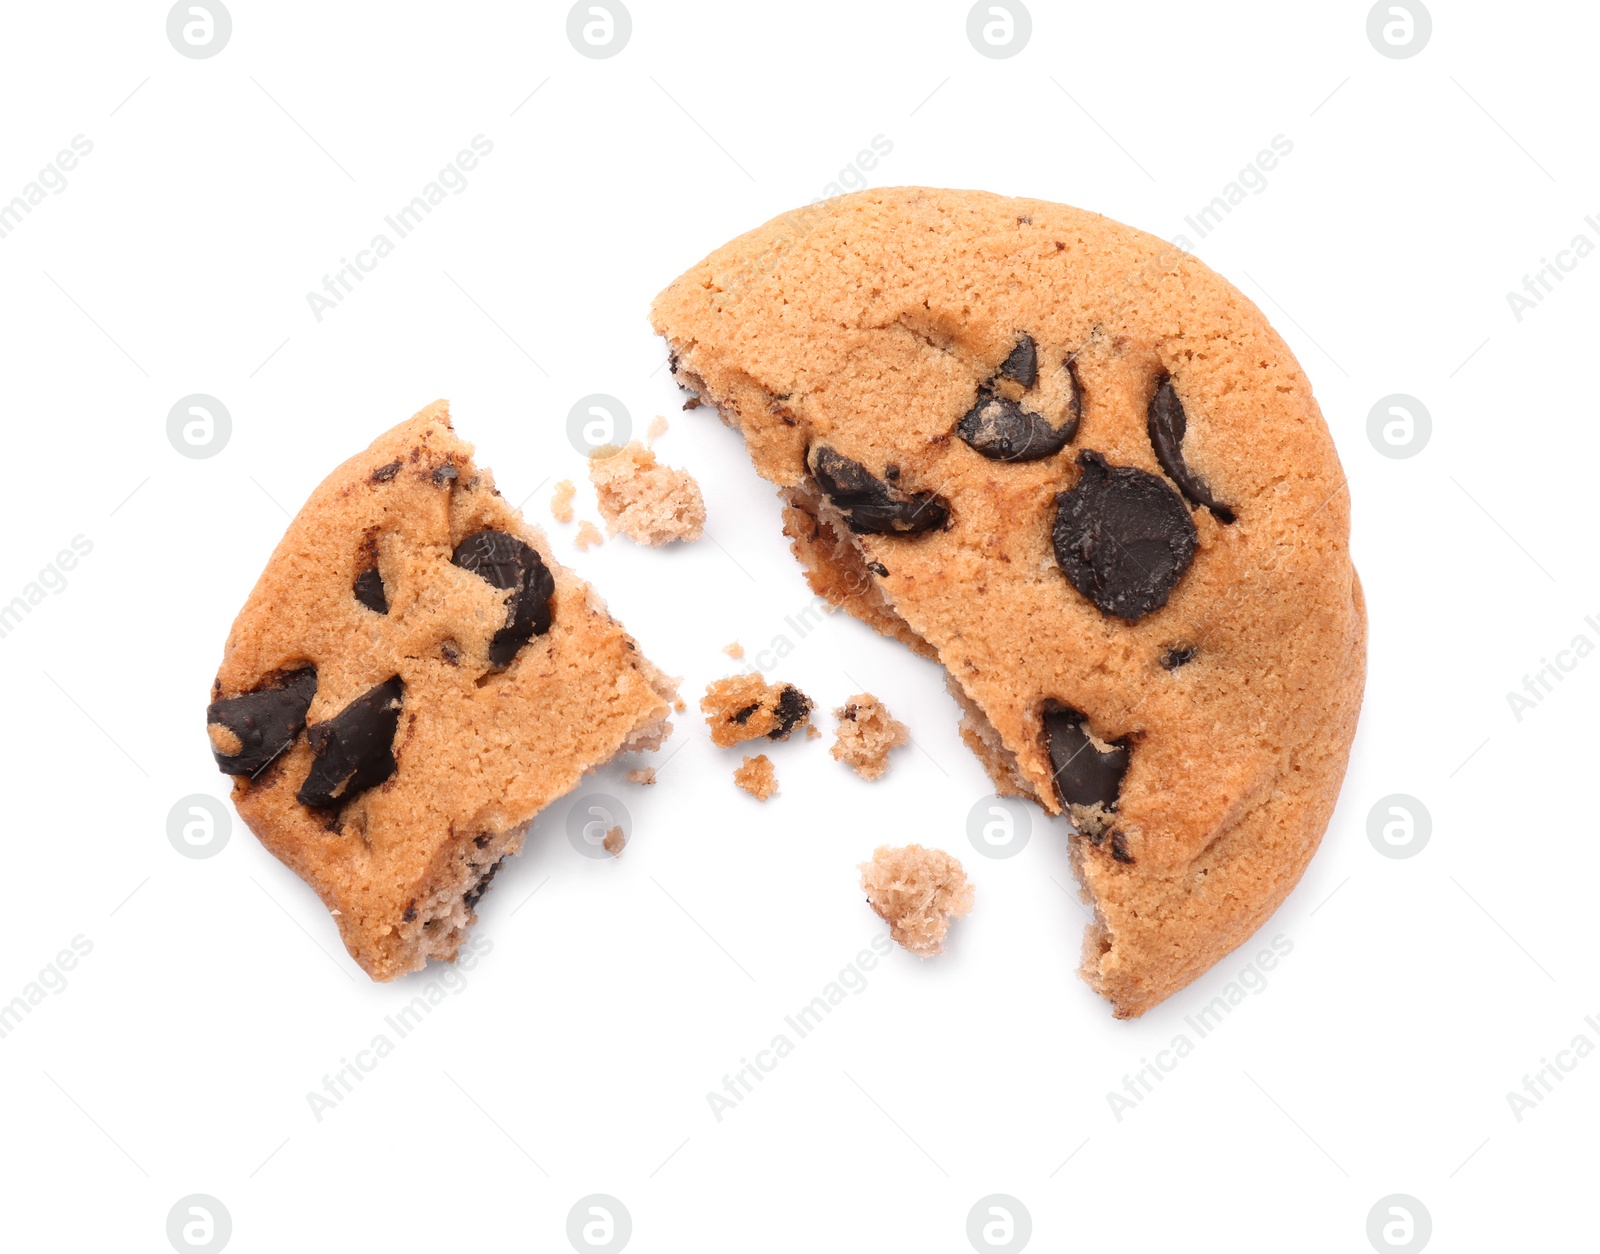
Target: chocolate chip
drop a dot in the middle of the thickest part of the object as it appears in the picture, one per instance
(1003, 431)
(265, 721)
(475, 894)
(1167, 425)
(1122, 537)
(355, 748)
(445, 474)
(450, 652)
(870, 505)
(793, 706)
(369, 590)
(1174, 658)
(506, 562)
(482, 842)
(385, 473)
(878, 569)
(742, 717)
(410, 916)
(1023, 363)
(1085, 775)
(1119, 848)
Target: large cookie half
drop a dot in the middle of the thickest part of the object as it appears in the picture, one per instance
(1081, 470)
(411, 681)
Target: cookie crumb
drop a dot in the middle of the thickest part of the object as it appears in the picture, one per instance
(867, 731)
(746, 707)
(614, 842)
(644, 775)
(679, 704)
(917, 892)
(561, 501)
(658, 427)
(647, 502)
(588, 535)
(757, 777)
(813, 732)
(734, 650)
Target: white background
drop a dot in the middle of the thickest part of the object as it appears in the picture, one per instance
(577, 1057)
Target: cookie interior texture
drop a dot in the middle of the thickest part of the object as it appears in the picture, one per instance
(512, 681)
(1228, 660)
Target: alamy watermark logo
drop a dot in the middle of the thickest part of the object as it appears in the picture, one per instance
(1399, 826)
(1399, 426)
(1399, 28)
(999, 28)
(596, 422)
(999, 827)
(1398, 1224)
(599, 28)
(199, 1224)
(999, 1224)
(198, 826)
(199, 28)
(199, 426)
(599, 1224)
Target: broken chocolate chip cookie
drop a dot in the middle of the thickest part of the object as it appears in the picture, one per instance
(413, 678)
(1079, 469)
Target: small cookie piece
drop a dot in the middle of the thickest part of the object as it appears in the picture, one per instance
(644, 500)
(414, 678)
(746, 707)
(658, 427)
(615, 841)
(561, 501)
(644, 775)
(757, 777)
(917, 892)
(867, 731)
(734, 650)
(588, 536)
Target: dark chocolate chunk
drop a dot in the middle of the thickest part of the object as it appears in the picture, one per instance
(1174, 658)
(1085, 775)
(265, 721)
(385, 473)
(410, 916)
(1167, 424)
(475, 894)
(742, 717)
(1122, 537)
(444, 474)
(869, 504)
(793, 705)
(482, 842)
(1023, 363)
(506, 562)
(1119, 848)
(878, 569)
(355, 748)
(369, 590)
(1003, 431)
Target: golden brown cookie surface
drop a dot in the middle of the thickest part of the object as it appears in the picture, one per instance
(412, 679)
(1082, 470)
